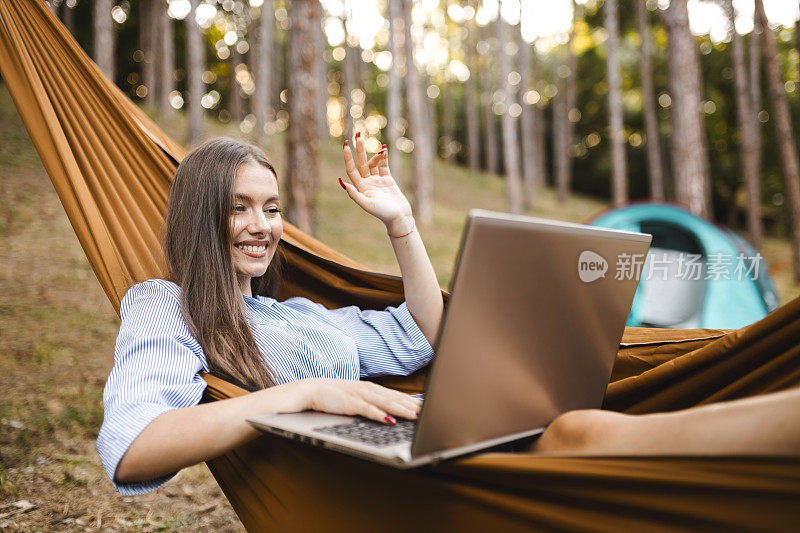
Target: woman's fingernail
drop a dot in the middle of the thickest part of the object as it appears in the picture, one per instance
(417, 413)
(383, 147)
(345, 143)
(342, 184)
(358, 135)
(390, 420)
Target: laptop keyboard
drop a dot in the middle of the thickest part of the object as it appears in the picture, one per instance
(374, 433)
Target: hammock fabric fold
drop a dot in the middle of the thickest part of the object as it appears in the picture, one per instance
(112, 166)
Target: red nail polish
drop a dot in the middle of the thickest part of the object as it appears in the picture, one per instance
(342, 184)
(417, 413)
(390, 420)
(358, 135)
(383, 147)
(345, 143)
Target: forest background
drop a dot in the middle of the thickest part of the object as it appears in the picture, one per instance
(510, 113)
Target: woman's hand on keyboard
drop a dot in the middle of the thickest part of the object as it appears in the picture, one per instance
(370, 400)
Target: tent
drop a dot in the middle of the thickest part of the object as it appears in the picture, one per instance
(698, 274)
(111, 167)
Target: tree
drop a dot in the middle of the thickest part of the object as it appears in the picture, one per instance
(747, 121)
(262, 97)
(509, 123)
(68, 16)
(195, 61)
(393, 102)
(471, 102)
(103, 31)
(783, 132)
(236, 104)
(487, 100)
(687, 140)
(619, 165)
(148, 41)
(322, 93)
(565, 116)
(754, 77)
(422, 184)
(528, 126)
(539, 126)
(655, 166)
(302, 135)
(350, 72)
(166, 64)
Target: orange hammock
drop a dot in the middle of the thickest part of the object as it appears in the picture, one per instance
(111, 167)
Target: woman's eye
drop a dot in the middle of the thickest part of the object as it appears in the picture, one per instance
(239, 208)
(272, 211)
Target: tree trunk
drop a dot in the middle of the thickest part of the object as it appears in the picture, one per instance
(528, 143)
(754, 77)
(563, 125)
(393, 101)
(653, 142)
(784, 133)
(747, 120)
(509, 124)
(489, 121)
(302, 135)
(471, 103)
(422, 184)
(166, 65)
(539, 127)
(619, 164)
(322, 76)
(236, 105)
(195, 63)
(561, 159)
(448, 121)
(350, 73)
(262, 97)
(103, 31)
(687, 140)
(68, 17)
(147, 43)
(572, 112)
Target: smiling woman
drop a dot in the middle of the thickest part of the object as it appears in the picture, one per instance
(256, 225)
(215, 312)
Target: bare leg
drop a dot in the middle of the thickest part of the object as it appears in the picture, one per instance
(761, 425)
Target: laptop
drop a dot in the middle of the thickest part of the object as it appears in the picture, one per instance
(532, 328)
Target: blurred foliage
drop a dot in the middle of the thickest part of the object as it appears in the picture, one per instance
(592, 159)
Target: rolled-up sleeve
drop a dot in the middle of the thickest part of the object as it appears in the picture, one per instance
(156, 369)
(389, 342)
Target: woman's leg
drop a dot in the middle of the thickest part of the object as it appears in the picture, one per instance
(768, 424)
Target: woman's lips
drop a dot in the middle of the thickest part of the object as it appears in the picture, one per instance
(252, 250)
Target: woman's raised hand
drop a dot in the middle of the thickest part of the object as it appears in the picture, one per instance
(373, 188)
(370, 400)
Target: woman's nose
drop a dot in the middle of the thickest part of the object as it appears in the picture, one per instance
(258, 223)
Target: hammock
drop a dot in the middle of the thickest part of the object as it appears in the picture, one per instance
(111, 167)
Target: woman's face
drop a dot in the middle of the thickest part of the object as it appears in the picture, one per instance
(256, 224)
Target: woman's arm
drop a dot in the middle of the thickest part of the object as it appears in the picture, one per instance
(190, 435)
(377, 193)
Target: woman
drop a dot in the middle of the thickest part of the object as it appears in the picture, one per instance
(213, 313)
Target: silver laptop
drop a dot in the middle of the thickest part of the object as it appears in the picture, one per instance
(532, 328)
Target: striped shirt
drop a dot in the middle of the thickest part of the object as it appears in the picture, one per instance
(157, 360)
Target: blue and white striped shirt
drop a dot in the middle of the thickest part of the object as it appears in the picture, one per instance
(157, 360)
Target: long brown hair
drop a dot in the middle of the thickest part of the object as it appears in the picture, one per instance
(197, 242)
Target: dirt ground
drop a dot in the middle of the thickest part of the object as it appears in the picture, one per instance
(57, 332)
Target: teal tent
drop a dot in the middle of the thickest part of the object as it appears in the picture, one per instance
(698, 274)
